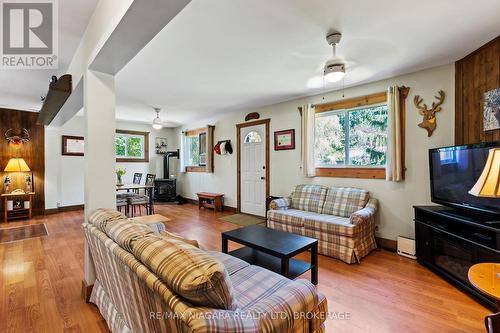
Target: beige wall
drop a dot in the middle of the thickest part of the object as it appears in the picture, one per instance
(396, 199)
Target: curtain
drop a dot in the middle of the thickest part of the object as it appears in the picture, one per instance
(182, 153)
(210, 149)
(307, 141)
(394, 164)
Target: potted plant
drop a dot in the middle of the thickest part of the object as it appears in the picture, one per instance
(119, 173)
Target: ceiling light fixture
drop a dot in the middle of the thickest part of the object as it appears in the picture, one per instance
(157, 123)
(334, 68)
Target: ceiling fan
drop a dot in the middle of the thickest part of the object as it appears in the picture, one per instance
(334, 69)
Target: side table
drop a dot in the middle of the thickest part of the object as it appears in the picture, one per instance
(17, 213)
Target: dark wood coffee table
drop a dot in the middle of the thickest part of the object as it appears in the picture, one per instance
(273, 250)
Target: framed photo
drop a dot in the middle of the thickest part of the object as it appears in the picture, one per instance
(491, 118)
(284, 140)
(160, 145)
(72, 145)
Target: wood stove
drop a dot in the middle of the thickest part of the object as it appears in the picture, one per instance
(165, 188)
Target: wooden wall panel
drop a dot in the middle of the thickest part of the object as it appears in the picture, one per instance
(475, 74)
(33, 152)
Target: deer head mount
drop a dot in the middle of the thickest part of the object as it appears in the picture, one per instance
(16, 140)
(429, 121)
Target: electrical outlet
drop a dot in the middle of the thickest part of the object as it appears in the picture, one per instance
(376, 228)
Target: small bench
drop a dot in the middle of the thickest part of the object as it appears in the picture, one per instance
(210, 200)
(155, 221)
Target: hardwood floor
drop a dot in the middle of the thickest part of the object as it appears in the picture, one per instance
(40, 283)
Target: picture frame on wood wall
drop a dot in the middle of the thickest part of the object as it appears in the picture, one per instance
(72, 145)
(491, 117)
(284, 140)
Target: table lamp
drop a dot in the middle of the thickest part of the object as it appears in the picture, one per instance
(18, 164)
(488, 184)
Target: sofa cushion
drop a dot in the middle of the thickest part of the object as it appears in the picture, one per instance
(125, 232)
(190, 272)
(343, 201)
(232, 264)
(293, 217)
(309, 197)
(254, 283)
(317, 223)
(100, 217)
(322, 226)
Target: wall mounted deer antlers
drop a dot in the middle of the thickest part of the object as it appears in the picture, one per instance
(429, 121)
(16, 140)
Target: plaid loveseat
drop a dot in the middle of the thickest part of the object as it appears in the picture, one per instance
(132, 298)
(341, 218)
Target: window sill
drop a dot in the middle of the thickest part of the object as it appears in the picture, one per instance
(353, 172)
(128, 160)
(196, 169)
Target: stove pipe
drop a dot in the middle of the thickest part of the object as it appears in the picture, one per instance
(166, 162)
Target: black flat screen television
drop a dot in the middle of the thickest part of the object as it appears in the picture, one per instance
(454, 171)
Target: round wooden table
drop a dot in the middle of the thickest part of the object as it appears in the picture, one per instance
(485, 277)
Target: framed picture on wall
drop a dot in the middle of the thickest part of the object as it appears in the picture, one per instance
(284, 140)
(72, 145)
(492, 110)
(160, 145)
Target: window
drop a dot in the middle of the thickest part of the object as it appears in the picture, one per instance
(355, 137)
(193, 150)
(252, 137)
(131, 146)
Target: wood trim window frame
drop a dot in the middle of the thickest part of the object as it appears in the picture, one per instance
(238, 157)
(197, 132)
(145, 159)
(356, 102)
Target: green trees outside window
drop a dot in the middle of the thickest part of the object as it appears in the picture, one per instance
(129, 146)
(354, 137)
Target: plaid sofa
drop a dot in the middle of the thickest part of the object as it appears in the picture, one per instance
(132, 298)
(341, 218)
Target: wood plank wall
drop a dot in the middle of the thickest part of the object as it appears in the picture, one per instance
(475, 74)
(33, 152)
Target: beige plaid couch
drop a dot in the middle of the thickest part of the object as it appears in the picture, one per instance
(341, 218)
(132, 298)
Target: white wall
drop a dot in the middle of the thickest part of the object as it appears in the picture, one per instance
(396, 199)
(64, 183)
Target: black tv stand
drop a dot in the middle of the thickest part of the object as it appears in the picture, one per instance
(449, 241)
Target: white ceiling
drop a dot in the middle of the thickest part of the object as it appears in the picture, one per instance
(218, 56)
(21, 89)
(222, 55)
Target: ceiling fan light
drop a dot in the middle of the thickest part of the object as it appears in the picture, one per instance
(157, 123)
(334, 72)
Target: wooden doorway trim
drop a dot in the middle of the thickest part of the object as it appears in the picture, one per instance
(238, 157)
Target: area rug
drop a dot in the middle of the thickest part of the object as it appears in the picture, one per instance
(243, 219)
(22, 232)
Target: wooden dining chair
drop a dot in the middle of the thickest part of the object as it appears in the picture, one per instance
(122, 204)
(138, 201)
(150, 179)
(137, 180)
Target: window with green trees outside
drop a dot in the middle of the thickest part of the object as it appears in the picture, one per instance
(352, 137)
(129, 146)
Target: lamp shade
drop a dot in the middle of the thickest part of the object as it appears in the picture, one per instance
(488, 184)
(17, 165)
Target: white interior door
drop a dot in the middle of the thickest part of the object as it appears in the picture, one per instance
(253, 169)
